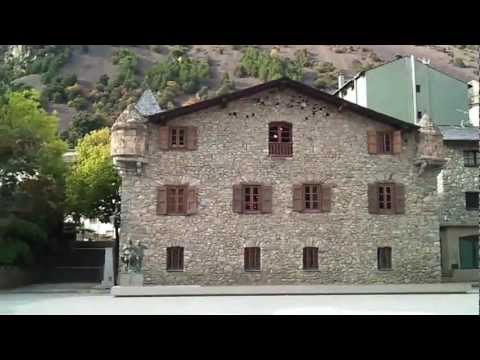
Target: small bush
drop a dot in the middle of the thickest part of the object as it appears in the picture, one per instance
(325, 67)
(303, 57)
(227, 85)
(459, 62)
(79, 103)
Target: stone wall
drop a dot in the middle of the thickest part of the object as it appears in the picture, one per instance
(12, 277)
(456, 179)
(329, 146)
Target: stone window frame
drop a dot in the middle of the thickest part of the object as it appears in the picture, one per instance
(468, 202)
(310, 258)
(252, 259)
(384, 258)
(177, 130)
(177, 203)
(175, 259)
(467, 162)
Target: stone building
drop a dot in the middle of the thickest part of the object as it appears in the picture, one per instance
(459, 191)
(279, 183)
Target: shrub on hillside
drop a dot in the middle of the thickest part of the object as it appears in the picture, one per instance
(459, 62)
(303, 57)
(257, 63)
(325, 67)
(190, 74)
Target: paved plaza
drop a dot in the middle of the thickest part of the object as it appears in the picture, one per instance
(85, 300)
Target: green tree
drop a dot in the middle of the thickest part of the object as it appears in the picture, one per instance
(32, 179)
(83, 123)
(92, 189)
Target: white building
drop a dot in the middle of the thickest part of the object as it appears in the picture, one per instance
(474, 102)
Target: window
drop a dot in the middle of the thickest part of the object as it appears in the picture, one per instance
(384, 258)
(386, 198)
(471, 200)
(176, 200)
(312, 197)
(418, 88)
(310, 258)
(175, 258)
(177, 137)
(384, 142)
(252, 259)
(280, 139)
(252, 198)
(470, 158)
(419, 115)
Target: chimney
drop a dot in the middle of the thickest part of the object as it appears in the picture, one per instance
(341, 80)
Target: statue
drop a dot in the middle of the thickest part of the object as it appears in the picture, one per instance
(132, 257)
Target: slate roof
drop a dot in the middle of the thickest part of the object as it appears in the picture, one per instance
(281, 83)
(147, 105)
(457, 133)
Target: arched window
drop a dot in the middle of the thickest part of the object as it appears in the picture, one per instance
(280, 139)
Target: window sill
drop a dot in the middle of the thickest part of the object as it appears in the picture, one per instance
(311, 270)
(472, 209)
(252, 271)
(173, 270)
(384, 270)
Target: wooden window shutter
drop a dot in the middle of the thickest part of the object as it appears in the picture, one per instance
(266, 198)
(163, 141)
(192, 138)
(373, 199)
(298, 201)
(397, 142)
(326, 194)
(372, 141)
(192, 200)
(399, 198)
(162, 200)
(237, 199)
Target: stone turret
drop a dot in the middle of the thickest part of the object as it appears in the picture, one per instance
(129, 137)
(430, 150)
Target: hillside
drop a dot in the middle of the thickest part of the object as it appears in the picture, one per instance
(200, 70)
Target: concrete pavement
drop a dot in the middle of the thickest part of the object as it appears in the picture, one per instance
(187, 290)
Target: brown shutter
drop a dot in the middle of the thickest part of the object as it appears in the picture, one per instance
(192, 200)
(163, 138)
(397, 142)
(237, 199)
(373, 198)
(266, 198)
(326, 194)
(298, 202)
(192, 138)
(399, 198)
(372, 141)
(162, 200)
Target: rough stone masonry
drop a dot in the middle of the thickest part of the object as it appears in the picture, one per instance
(329, 147)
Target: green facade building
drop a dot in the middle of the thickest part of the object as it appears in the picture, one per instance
(407, 88)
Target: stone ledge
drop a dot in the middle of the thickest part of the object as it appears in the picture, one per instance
(376, 289)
